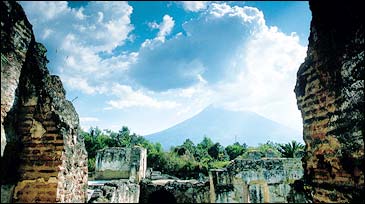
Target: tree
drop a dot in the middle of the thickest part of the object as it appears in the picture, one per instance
(189, 145)
(235, 150)
(180, 150)
(269, 148)
(218, 152)
(123, 137)
(213, 151)
(206, 143)
(201, 152)
(291, 149)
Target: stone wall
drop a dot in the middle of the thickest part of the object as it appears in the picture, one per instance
(257, 181)
(16, 34)
(43, 157)
(121, 163)
(181, 191)
(117, 191)
(330, 96)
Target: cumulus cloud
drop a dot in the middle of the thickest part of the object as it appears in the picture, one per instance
(227, 56)
(244, 64)
(165, 28)
(212, 48)
(127, 97)
(46, 10)
(194, 5)
(77, 38)
(266, 84)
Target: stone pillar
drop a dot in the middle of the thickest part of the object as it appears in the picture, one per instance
(259, 191)
(133, 174)
(212, 195)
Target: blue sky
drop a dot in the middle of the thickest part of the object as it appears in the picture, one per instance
(150, 65)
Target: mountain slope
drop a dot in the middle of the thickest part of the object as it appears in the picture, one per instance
(225, 127)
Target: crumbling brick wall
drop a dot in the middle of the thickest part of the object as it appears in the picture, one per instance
(43, 157)
(330, 95)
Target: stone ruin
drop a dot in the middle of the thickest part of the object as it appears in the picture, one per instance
(43, 159)
(118, 172)
(174, 191)
(244, 180)
(266, 180)
(121, 163)
(269, 180)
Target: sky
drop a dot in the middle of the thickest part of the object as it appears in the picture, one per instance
(151, 65)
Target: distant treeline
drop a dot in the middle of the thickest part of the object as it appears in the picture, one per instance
(187, 160)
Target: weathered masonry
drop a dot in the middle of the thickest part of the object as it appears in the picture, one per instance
(330, 95)
(121, 163)
(42, 157)
(266, 180)
(269, 180)
(119, 171)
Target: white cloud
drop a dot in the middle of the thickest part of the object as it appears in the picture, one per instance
(100, 17)
(46, 33)
(153, 25)
(235, 57)
(194, 5)
(212, 49)
(79, 14)
(77, 38)
(266, 84)
(165, 28)
(89, 119)
(227, 56)
(136, 98)
(83, 85)
(47, 10)
(109, 25)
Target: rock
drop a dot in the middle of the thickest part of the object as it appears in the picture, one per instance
(330, 96)
(42, 154)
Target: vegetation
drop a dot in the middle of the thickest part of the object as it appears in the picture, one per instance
(291, 150)
(184, 161)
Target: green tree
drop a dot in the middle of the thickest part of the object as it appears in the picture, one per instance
(217, 152)
(122, 138)
(291, 149)
(235, 150)
(190, 146)
(95, 132)
(205, 144)
(214, 150)
(201, 153)
(269, 148)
